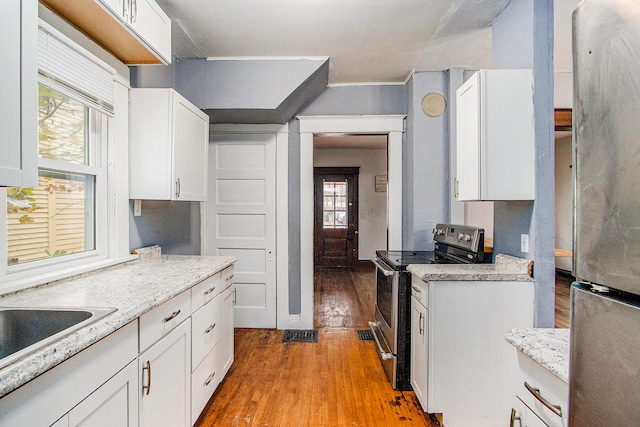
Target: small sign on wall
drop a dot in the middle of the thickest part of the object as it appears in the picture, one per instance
(381, 183)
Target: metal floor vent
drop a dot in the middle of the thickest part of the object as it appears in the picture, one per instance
(365, 335)
(300, 335)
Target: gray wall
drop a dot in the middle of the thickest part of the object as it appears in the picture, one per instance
(426, 160)
(338, 100)
(175, 226)
(523, 38)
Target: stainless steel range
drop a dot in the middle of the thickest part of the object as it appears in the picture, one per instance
(391, 328)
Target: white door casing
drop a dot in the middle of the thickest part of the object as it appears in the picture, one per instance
(241, 218)
(391, 125)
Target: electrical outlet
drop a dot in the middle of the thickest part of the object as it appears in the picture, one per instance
(137, 208)
(524, 243)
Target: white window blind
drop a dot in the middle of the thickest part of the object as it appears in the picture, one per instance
(74, 71)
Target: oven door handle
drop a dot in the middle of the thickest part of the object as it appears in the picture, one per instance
(383, 354)
(382, 268)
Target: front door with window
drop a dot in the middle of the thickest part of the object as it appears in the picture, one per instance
(336, 217)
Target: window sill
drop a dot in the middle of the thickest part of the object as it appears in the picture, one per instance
(9, 284)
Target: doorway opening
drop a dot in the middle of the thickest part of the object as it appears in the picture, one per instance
(350, 224)
(314, 127)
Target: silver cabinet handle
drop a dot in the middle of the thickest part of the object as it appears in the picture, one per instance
(418, 290)
(229, 278)
(178, 188)
(556, 409)
(514, 418)
(147, 388)
(172, 316)
(421, 323)
(208, 291)
(456, 185)
(210, 328)
(209, 379)
(134, 14)
(234, 297)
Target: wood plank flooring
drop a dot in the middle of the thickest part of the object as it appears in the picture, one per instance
(337, 381)
(563, 285)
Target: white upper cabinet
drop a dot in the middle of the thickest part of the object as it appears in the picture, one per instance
(19, 89)
(168, 146)
(134, 31)
(495, 157)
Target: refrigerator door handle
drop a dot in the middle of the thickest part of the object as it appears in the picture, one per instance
(556, 409)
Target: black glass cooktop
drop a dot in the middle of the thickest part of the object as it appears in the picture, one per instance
(399, 260)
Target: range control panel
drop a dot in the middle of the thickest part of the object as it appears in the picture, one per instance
(461, 236)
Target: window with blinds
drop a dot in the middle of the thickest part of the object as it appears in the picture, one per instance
(60, 217)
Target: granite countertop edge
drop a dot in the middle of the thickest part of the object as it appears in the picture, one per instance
(133, 288)
(547, 346)
(506, 268)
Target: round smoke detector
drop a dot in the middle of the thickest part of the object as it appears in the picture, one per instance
(434, 104)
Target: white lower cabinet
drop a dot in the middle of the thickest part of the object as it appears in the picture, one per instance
(164, 392)
(462, 365)
(542, 396)
(114, 404)
(204, 381)
(419, 346)
(226, 348)
(144, 373)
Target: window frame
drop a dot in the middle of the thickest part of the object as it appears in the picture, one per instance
(111, 190)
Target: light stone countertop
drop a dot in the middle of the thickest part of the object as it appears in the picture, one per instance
(549, 347)
(133, 288)
(506, 268)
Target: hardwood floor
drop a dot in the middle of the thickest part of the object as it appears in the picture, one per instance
(337, 381)
(563, 285)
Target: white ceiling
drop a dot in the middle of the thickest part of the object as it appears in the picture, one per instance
(366, 41)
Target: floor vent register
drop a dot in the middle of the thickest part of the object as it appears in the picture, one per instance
(300, 335)
(365, 335)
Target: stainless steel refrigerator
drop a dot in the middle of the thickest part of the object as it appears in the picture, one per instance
(604, 371)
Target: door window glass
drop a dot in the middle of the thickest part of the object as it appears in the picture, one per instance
(334, 208)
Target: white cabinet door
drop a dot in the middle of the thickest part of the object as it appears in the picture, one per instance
(164, 372)
(168, 146)
(114, 404)
(225, 346)
(419, 348)
(495, 158)
(19, 89)
(241, 220)
(150, 22)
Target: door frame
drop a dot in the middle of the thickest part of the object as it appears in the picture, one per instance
(352, 216)
(393, 127)
(282, 209)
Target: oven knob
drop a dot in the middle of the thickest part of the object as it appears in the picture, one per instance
(460, 236)
(467, 238)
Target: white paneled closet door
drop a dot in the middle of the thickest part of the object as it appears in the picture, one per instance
(241, 220)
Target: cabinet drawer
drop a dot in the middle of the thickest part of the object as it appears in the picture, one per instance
(163, 318)
(205, 332)
(204, 382)
(419, 290)
(204, 291)
(226, 277)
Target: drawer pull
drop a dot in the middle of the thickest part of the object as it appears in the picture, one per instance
(417, 290)
(229, 278)
(556, 409)
(210, 328)
(147, 388)
(173, 316)
(514, 418)
(209, 379)
(208, 291)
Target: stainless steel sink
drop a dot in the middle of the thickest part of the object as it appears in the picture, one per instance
(24, 330)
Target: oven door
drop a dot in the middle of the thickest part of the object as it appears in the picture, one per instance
(384, 327)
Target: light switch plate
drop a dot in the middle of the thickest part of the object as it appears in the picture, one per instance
(524, 243)
(137, 208)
